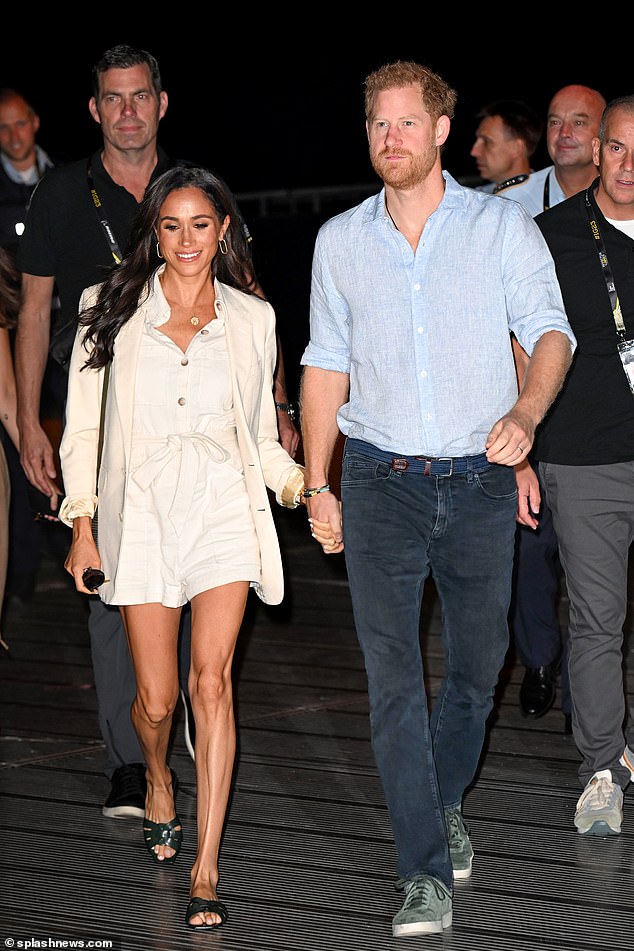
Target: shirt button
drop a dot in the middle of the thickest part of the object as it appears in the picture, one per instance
(182, 401)
(204, 331)
(419, 330)
(184, 362)
(416, 287)
(423, 374)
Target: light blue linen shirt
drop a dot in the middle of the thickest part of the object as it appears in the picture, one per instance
(425, 336)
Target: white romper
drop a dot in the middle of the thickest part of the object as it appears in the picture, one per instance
(187, 525)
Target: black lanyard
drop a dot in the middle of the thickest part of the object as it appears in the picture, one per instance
(515, 180)
(101, 218)
(605, 267)
(547, 191)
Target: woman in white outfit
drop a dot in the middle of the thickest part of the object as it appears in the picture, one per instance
(190, 446)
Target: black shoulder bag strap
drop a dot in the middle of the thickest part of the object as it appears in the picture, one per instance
(102, 414)
(102, 417)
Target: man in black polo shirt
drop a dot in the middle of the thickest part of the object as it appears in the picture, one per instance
(585, 449)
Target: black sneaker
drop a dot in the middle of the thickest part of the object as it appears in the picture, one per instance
(127, 796)
(190, 725)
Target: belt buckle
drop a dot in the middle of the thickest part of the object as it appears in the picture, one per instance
(448, 459)
(399, 465)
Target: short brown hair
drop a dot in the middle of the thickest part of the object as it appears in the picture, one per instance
(623, 102)
(437, 96)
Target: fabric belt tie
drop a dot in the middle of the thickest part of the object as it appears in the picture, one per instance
(190, 447)
(425, 465)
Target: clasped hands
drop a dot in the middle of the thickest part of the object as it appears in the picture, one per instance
(324, 518)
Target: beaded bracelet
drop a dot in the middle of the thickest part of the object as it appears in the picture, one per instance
(309, 493)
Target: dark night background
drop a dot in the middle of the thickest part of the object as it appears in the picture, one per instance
(270, 104)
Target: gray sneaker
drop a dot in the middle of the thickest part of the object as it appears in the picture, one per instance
(426, 909)
(460, 848)
(600, 806)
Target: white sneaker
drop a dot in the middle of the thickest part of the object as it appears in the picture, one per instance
(628, 760)
(600, 806)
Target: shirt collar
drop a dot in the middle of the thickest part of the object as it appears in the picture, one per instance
(454, 196)
(157, 311)
(42, 162)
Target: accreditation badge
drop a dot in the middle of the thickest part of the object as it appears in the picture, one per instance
(626, 353)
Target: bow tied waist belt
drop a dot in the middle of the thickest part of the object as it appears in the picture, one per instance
(191, 447)
(426, 465)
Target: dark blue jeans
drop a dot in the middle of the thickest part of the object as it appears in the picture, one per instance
(399, 527)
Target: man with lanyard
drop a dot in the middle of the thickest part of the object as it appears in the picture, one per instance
(585, 449)
(78, 225)
(572, 123)
(508, 133)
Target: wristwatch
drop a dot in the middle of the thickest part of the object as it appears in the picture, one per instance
(289, 408)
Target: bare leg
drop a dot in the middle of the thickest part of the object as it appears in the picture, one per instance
(216, 618)
(152, 632)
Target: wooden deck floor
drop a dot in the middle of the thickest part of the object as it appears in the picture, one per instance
(307, 861)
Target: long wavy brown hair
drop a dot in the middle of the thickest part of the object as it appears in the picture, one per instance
(9, 290)
(127, 285)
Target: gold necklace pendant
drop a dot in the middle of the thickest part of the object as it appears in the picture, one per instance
(194, 320)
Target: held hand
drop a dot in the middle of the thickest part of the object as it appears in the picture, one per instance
(528, 495)
(324, 518)
(37, 458)
(54, 496)
(510, 440)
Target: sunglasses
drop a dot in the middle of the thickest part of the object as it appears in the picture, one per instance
(92, 578)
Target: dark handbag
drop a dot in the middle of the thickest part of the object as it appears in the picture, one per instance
(102, 414)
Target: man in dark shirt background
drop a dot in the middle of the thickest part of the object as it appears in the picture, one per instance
(22, 164)
(585, 449)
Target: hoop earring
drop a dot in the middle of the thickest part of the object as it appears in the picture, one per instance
(158, 250)
(222, 244)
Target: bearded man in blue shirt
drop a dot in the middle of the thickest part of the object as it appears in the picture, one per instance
(415, 294)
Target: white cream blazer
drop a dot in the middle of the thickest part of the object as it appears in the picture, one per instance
(252, 347)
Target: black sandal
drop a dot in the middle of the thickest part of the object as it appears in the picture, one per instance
(199, 906)
(164, 833)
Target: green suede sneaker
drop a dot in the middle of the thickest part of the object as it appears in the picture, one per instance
(426, 909)
(460, 849)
